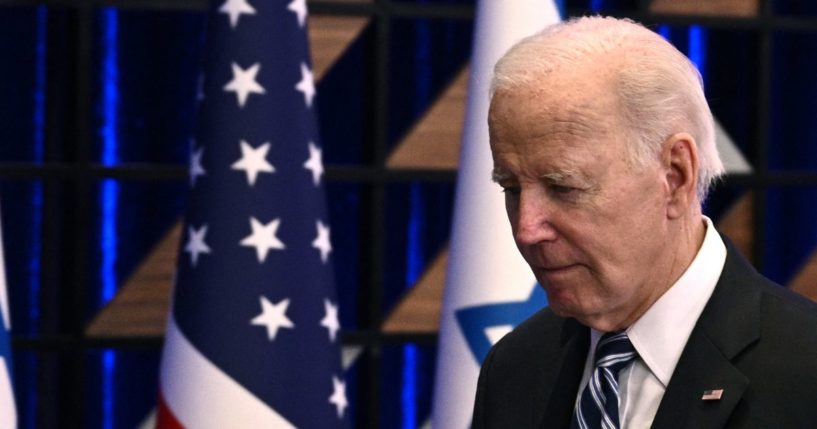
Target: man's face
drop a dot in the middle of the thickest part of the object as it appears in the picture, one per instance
(590, 225)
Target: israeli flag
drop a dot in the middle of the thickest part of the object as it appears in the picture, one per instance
(489, 288)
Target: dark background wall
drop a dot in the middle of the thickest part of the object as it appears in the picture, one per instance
(97, 108)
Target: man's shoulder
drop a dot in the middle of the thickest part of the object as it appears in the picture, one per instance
(781, 365)
(542, 324)
(777, 303)
(782, 298)
(519, 374)
(790, 316)
(538, 335)
(779, 306)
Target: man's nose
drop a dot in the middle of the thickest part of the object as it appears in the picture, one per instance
(534, 220)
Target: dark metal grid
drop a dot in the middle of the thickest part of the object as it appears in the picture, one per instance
(761, 166)
(349, 174)
(84, 173)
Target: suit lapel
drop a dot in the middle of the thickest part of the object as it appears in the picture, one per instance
(701, 368)
(569, 368)
(728, 324)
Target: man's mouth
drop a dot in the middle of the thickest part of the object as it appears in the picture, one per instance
(558, 268)
(552, 273)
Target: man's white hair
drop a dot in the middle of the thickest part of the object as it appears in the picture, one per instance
(660, 90)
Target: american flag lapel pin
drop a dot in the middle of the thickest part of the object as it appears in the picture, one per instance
(712, 395)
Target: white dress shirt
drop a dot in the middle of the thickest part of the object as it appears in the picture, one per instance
(661, 333)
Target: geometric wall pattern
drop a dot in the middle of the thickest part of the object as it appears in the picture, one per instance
(431, 144)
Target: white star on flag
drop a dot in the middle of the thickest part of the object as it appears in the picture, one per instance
(234, 8)
(315, 163)
(253, 161)
(322, 242)
(263, 238)
(299, 7)
(338, 397)
(330, 320)
(244, 83)
(273, 317)
(195, 169)
(306, 85)
(195, 243)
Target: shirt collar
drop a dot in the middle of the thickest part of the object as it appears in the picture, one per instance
(661, 333)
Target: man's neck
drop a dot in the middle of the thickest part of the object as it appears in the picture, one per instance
(686, 238)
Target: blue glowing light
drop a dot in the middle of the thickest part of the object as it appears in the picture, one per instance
(697, 48)
(409, 392)
(109, 195)
(110, 87)
(38, 156)
(414, 266)
(666, 32)
(109, 201)
(108, 368)
(596, 5)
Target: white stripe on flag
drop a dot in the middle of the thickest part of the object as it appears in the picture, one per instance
(484, 265)
(200, 395)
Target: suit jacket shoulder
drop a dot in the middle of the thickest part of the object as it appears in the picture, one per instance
(523, 369)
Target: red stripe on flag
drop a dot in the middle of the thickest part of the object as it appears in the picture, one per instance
(164, 417)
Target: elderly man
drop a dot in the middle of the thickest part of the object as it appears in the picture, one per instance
(604, 146)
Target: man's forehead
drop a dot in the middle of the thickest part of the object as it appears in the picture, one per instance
(554, 110)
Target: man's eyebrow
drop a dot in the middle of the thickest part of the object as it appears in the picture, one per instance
(565, 172)
(498, 175)
(561, 175)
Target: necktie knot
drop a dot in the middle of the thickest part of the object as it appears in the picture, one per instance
(614, 351)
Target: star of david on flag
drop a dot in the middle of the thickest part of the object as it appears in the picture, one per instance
(484, 325)
(252, 338)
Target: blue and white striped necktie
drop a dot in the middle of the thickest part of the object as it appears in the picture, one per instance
(598, 406)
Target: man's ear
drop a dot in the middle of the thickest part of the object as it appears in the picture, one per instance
(679, 158)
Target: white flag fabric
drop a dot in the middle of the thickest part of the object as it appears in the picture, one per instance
(489, 287)
(8, 412)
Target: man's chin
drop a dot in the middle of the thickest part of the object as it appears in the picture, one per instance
(561, 305)
(564, 304)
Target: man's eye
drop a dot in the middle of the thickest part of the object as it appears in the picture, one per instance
(510, 190)
(563, 190)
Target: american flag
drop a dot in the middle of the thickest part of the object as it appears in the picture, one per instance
(712, 395)
(253, 335)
